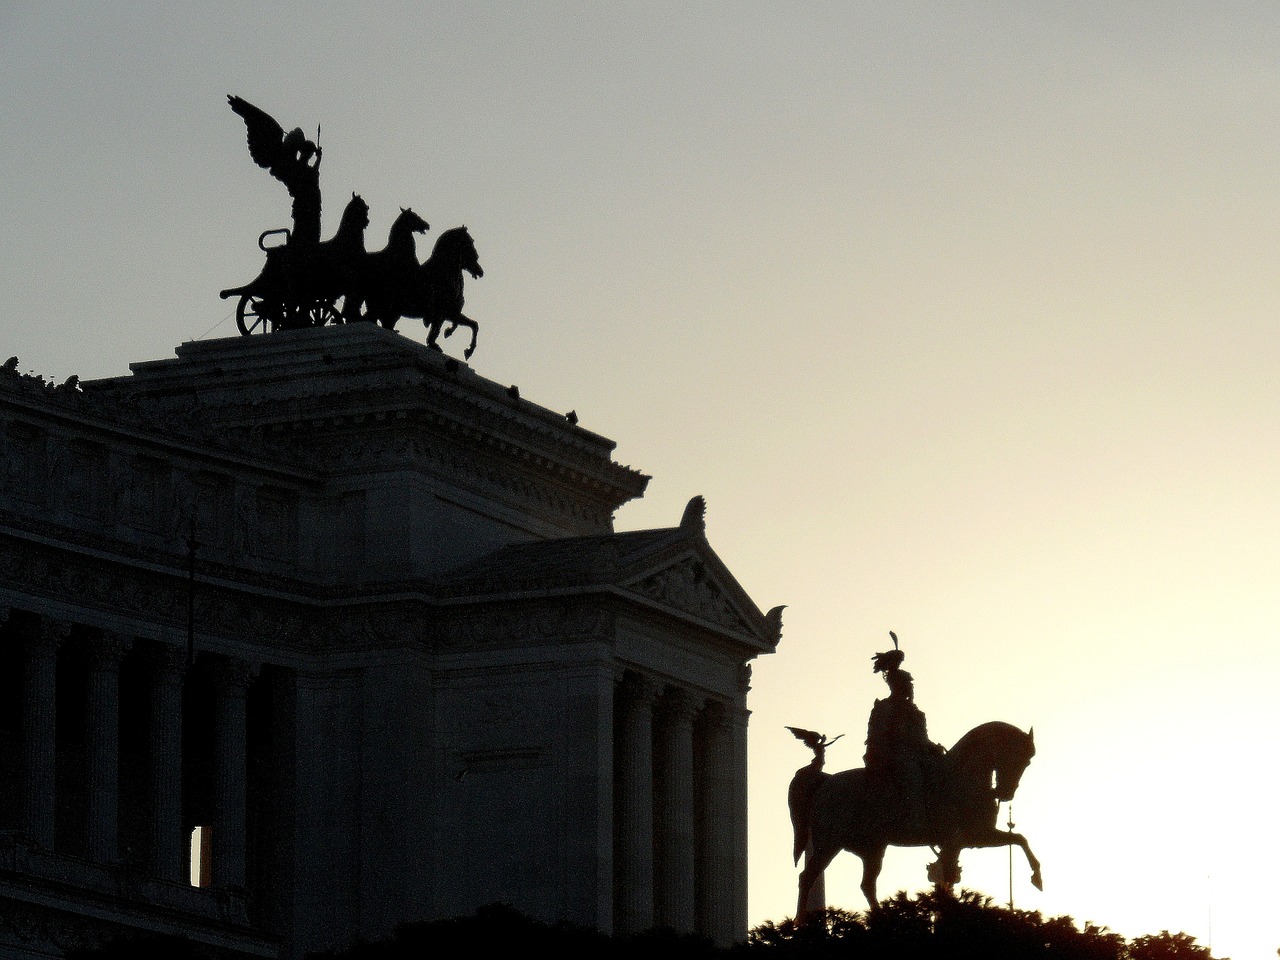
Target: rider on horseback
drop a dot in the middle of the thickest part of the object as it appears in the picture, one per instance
(901, 759)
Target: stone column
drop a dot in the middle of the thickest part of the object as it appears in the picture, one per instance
(715, 844)
(674, 814)
(105, 651)
(167, 856)
(633, 863)
(738, 717)
(232, 686)
(39, 730)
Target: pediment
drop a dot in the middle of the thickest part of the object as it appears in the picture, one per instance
(697, 585)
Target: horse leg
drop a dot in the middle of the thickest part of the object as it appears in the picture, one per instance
(433, 331)
(815, 864)
(1036, 880)
(944, 872)
(475, 332)
(460, 320)
(872, 861)
(1007, 838)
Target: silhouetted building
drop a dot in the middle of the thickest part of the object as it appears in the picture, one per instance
(428, 674)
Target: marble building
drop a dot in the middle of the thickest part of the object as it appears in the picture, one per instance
(309, 634)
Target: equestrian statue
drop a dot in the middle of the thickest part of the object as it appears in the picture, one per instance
(912, 792)
(304, 279)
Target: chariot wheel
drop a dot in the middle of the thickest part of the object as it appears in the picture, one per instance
(250, 316)
(322, 312)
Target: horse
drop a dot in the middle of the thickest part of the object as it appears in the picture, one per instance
(436, 294)
(386, 275)
(339, 260)
(297, 287)
(844, 811)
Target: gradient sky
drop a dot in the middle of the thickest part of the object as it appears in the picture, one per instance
(961, 316)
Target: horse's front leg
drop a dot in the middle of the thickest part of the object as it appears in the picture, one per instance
(1036, 880)
(475, 332)
(1007, 838)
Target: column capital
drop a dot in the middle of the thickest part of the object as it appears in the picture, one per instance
(231, 676)
(679, 705)
(50, 634)
(166, 661)
(714, 715)
(107, 648)
(638, 688)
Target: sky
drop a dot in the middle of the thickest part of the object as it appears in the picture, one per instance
(960, 315)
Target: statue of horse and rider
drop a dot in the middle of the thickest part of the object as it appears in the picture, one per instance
(911, 793)
(304, 278)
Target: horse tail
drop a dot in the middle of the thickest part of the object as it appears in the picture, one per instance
(800, 799)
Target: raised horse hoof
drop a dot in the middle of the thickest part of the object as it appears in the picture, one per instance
(1036, 881)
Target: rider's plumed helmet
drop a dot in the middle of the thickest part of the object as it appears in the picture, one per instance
(890, 660)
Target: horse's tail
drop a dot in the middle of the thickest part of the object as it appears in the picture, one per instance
(800, 799)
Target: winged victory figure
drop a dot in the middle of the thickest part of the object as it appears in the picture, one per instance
(293, 160)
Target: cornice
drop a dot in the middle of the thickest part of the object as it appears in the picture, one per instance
(294, 391)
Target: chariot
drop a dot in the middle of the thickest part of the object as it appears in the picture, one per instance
(291, 291)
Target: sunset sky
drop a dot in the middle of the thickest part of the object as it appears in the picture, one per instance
(962, 316)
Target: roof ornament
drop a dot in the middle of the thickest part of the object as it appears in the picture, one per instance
(695, 515)
(307, 282)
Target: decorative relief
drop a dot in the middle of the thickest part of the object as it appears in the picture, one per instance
(462, 467)
(84, 490)
(158, 599)
(687, 587)
(273, 532)
(531, 624)
(380, 627)
(25, 927)
(209, 499)
(25, 468)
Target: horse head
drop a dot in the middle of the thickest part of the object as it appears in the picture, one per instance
(355, 217)
(991, 759)
(357, 211)
(408, 223)
(457, 245)
(1011, 763)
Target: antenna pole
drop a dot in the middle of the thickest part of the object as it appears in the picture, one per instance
(1010, 858)
(192, 546)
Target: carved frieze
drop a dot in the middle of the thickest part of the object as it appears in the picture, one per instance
(504, 479)
(687, 587)
(530, 623)
(137, 594)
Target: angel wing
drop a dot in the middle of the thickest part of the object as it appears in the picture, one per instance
(266, 137)
(811, 738)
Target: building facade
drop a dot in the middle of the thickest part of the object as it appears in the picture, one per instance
(310, 634)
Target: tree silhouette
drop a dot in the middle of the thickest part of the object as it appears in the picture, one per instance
(926, 926)
(1168, 946)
